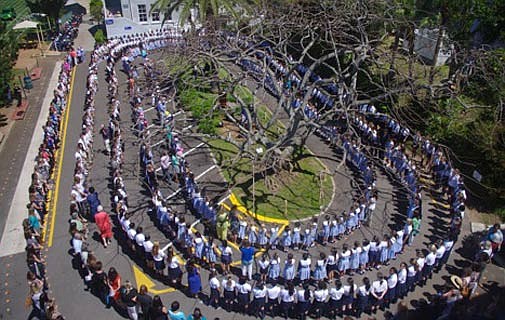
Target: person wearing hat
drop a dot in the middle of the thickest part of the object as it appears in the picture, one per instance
(104, 224)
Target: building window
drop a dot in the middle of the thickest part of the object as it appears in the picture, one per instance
(142, 9)
(155, 15)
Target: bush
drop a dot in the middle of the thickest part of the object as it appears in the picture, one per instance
(96, 10)
(100, 37)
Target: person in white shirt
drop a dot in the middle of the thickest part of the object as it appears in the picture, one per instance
(148, 251)
(287, 296)
(379, 290)
(259, 293)
(429, 263)
(335, 303)
(349, 293)
(273, 299)
(304, 299)
(229, 293)
(392, 281)
(363, 297)
(320, 296)
(215, 289)
(243, 295)
(139, 242)
(439, 255)
(401, 287)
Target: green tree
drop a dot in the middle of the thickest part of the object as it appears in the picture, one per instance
(52, 8)
(96, 10)
(8, 54)
(100, 36)
(207, 10)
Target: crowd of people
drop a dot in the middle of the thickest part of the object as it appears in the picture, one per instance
(315, 287)
(44, 307)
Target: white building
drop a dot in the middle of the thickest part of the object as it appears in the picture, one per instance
(425, 43)
(135, 16)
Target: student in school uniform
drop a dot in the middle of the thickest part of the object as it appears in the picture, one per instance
(273, 294)
(289, 268)
(333, 231)
(199, 246)
(287, 296)
(335, 303)
(348, 297)
(275, 268)
(229, 293)
(307, 240)
(174, 268)
(392, 281)
(287, 240)
(354, 259)
(421, 260)
(401, 287)
(412, 271)
(210, 253)
(253, 236)
(264, 265)
(363, 295)
(274, 240)
(304, 300)
(242, 227)
(262, 237)
(374, 253)
(331, 264)
(314, 232)
(320, 270)
(429, 264)
(325, 232)
(439, 255)
(364, 256)
(391, 248)
(320, 296)
(226, 253)
(383, 250)
(343, 261)
(259, 293)
(341, 227)
(378, 292)
(215, 290)
(304, 267)
(297, 238)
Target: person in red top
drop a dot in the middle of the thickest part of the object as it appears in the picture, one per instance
(104, 224)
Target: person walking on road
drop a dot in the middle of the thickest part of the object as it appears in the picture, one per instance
(104, 224)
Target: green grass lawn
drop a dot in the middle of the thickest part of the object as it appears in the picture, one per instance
(22, 10)
(298, 194)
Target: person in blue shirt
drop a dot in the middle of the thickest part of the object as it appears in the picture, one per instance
(247, 259)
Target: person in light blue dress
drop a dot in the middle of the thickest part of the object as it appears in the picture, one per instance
(253, 237)
(242, 227)
(398, 245)
(199, 245)
(363, 256)
(326, 230)
(262, 237)
(181, 230)
(343, 261)
(297, 238)
(314, 231)
(275, 268)
(210, 252)
(274, 237)
(383, 249)
(320, 271)
(286, 239)
(333, 231)
(307, 240)
(391, 248)
(348, 223)
(289, 268)
(341, 227)
(354, 260)
(304, 267)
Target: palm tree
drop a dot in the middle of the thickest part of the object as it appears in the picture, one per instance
(207, 10)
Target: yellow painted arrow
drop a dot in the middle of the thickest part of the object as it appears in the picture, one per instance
(142, 279)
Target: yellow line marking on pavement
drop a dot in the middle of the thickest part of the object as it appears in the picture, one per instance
(257, 216)
(61, 154)
(435, 202)
(142, 279)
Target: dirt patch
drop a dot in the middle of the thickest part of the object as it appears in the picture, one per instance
(482, 217)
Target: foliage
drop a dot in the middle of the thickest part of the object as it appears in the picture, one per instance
(301, 194)
(52, 8)
(100, 36)
(96, 10)
(8, 54)
(207, 9)
(201, 104)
